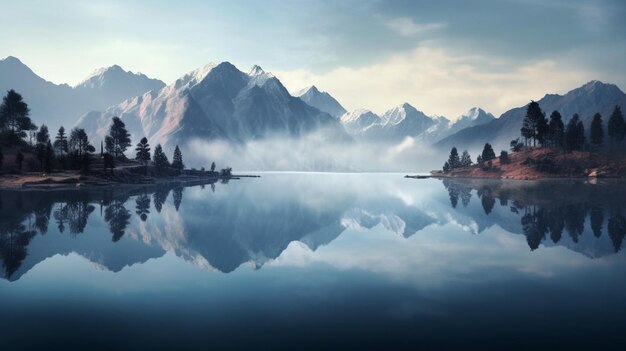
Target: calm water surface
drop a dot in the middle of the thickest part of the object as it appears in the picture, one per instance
(316, 261)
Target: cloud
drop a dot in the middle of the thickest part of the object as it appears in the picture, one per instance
(438, 80)
(407, 27)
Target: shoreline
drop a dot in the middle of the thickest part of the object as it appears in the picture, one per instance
(65, 181)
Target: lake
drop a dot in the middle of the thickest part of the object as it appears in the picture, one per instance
(316, 261)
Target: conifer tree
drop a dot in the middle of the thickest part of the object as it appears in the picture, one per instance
(466, 160)
(488, 153)
(143, 151)
(556, 130)
(14, 117)
(177, 159)
(118, 139)
(60, 142)
(575, 134)
(597, 130)
(160, 160)
(616, 126)
(43, 138)
(453, 159)
(504, 157)
(534, 126)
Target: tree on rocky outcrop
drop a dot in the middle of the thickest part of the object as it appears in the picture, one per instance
(488, 154)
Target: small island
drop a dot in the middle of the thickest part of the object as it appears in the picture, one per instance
(30, 159)
(550, 149)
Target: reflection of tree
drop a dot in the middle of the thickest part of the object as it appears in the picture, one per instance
(178, 196)
(60, 216)
(551, 207)
(14, 240)
(556, 223)
(142, 206)
(118, 217)
(42, 217)
(535, 225)
(617, 231)
(575, 220)
(456, 190)
(596, 217)
(78, 214)
(159, 196)
(487, 201)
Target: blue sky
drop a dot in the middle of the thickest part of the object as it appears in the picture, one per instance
(441, 56)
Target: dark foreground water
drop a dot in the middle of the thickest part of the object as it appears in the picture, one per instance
(316, 261)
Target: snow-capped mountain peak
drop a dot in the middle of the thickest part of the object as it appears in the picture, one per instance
(321, 100)
(256, 70)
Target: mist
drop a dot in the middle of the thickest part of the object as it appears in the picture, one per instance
(315, 152)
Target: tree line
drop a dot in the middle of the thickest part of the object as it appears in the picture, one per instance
(75, 151)
(539, 131)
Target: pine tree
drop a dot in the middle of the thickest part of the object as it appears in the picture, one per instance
(118, 139)
(556, 130)
(212, 166)
(177, 159)
(453, 159)
(14, 117)
(160, 160)
(575, 134)
(534, 126)
(80, 149)
(597, 130)
(466, 160)
(49, 157)
(616, 126)
(60, 142)
(43, 138)
(143, 151)
(504, 157)
(488, 153)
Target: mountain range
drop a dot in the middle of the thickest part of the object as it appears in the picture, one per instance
(215, 102)
(593, 97)
(222, 102)
(62, 104)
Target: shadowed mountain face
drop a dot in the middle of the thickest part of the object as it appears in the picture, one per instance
(215, 102)
(593, 97)
(57, 105)
(222, 226)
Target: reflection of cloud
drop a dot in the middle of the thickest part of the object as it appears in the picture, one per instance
(407, 27)
(444, 254)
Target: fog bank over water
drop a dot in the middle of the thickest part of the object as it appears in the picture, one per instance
(315, 152)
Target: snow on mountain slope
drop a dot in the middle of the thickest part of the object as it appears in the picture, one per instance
(321, 100)
(217, 102)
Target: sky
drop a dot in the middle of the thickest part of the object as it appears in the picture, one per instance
(442, 57)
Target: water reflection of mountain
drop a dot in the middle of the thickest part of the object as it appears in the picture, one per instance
(118, 227)
(582, 216)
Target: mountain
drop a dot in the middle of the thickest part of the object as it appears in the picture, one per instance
(57, 105)
(586, 100)
(215, 102)
(357, 121)
(398, 123)
(112, 85)
(321, 100)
